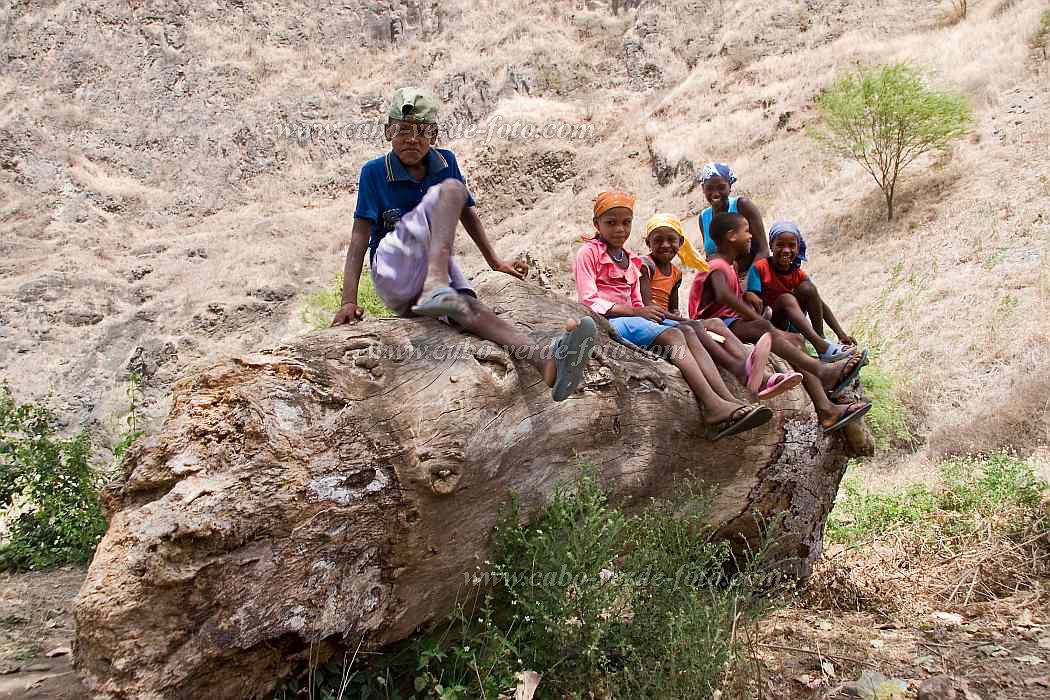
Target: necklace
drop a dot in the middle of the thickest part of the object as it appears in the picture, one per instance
(619, 259)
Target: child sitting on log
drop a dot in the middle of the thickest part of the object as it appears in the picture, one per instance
(608, 283)
(660, 282)
(409, 202)
(718, 294)
(781, 284)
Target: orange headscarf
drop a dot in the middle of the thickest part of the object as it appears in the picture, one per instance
(610, 200)
(603, 203)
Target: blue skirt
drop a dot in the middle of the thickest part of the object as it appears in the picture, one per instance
(639, 331)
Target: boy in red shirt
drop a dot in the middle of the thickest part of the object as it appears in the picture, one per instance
(782, 285)
(718, 294)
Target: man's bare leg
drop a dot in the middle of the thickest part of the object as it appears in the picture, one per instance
(444, 217)
(481, 321)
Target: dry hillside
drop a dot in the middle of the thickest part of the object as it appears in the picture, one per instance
(174, 176)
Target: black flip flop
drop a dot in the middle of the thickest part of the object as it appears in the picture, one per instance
(572, 351)
(758, 415)
(845, 382)
(441, 302)
(849, 416)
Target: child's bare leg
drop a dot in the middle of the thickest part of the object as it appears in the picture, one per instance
(444, 217)
(705, 362)
(810, 301)
(828, 412)
(481, 321)
(730, 354)
(716, 408)
(787, 346)
(786, 308)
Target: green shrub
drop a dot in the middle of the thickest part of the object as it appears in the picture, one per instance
(319, 307)
(885, 118)
(48, 490)
(600, 602)
(889, 420)
(999, 488)
(1042, 35)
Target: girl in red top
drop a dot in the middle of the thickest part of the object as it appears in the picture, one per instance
(717, 294)
(784, 287)
(607, 282)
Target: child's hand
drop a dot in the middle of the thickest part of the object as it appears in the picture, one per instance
(348, 313)
(651, 313)
(512, 270)
(848, 340)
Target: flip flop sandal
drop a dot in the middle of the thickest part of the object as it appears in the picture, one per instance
(572, 351)
(780, 382)
(836, 352)
(849, 416)
(756, 362)
(754, 417)
(846, 380)
(443, 301)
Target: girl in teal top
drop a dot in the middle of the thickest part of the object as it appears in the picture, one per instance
(717, 180)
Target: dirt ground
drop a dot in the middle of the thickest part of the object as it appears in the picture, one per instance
(1000, 648)
(36, 634)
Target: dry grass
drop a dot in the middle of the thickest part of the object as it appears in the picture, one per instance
(981, 535)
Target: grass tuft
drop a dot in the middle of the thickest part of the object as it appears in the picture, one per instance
(319, 307)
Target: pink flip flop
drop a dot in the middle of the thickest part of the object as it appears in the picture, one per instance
(780, 382)
(756, 362)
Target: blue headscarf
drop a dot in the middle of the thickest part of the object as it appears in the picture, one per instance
(717, 170)
(782, 227)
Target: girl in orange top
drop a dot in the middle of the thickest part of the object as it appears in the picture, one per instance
(660, 284)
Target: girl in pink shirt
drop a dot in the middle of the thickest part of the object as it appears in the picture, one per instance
(607, 282)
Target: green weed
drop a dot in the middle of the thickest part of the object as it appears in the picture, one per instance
(600, 602)
(319, 307)
(1000, 488)
(889, 420)
(1042, 35)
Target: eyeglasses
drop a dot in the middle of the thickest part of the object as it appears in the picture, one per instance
(416, 131)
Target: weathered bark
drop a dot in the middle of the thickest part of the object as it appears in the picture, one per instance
(330, 488)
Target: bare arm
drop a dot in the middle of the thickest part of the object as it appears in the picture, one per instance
(349, 311)
(843, 336)
(672, 298)
(725, 296)
(645, 278)
(750, 212)
(472, 223)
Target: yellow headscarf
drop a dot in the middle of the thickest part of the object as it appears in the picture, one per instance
(686, 252)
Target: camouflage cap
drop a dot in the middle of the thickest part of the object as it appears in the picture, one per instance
(414, 105)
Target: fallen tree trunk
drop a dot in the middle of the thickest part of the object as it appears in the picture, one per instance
(343, 485)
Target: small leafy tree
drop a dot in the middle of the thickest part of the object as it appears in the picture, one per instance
(885, 118)
(48, 490)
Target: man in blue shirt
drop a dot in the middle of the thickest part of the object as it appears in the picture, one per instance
(409, 203)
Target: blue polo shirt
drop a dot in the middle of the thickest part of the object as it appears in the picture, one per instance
(386, 191)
